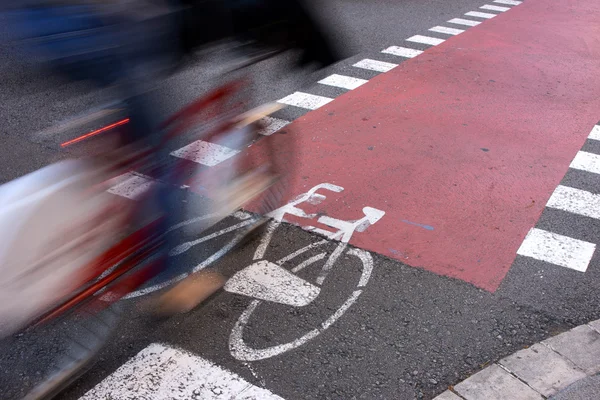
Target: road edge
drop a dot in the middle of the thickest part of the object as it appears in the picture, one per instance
(536, 372)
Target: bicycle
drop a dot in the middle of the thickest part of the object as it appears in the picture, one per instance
(126, 265)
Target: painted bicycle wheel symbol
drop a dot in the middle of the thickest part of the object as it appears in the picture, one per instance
(269, 282)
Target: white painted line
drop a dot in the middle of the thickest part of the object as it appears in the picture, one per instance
(425, 40)
(402, 51)
(374, 65)
(509, 2)
(131, 185)
(586, 162)
(305, 100)
(466, 22)
(557, 249)
(272, 125)
(342, 81)
(595, 133)
(159, 372)
(480, 14)
(576, 201)
(447, 31)
(205, 153)
(494, 8)
(264, 280)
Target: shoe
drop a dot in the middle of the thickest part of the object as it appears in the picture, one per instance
(189, 293)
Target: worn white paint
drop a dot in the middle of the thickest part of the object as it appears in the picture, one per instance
(159, 372)
(557, 249)
(272, 125)
(402, 51)
(586, 162)
(595, 133)
(446, 30)
(269, 281)
(205, 153)
(246, 220)
(374, 65)
(509, 2)
(480, 14)
(305, 100)
(132, 186)
(431, 41)
(183, 247)
(466, 22)
(343, 81)
(264, 280)
(241, 351)
(576, 201)
(494, 8)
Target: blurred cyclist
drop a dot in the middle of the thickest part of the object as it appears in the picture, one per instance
(132, 43)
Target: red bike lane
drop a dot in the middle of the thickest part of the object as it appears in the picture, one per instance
(463, 145)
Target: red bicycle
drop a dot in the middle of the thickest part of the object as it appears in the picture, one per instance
(117, 255)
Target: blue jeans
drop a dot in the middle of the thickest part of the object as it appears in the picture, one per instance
(84, 46)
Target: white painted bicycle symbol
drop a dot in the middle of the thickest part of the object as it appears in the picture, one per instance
(267, 281)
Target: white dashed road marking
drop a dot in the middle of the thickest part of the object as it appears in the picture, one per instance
(272, 125)
(402, 51)
(595, 133)
(466, 22)
(425, 40)
(494, 8)
(575, 201)
(205, 153)
(305, 100)
(557, 249)
(509, 2)
(131, 185)
(447, 31)
(374, 65)
(342, 81)
(586, 162)
(480, 14)
(159, 372)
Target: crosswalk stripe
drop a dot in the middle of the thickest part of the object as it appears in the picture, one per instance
(480, 14)
(494, 8)
(509, 2)
(374, 65)
(342, 81)
(575, 201)
(131, 185)
(466, 22)
(425, 40)
(595, 133)
(448, 31)
(205, 153)
(586, 162)
(402, 51)
(557, 249)
(160, 372)
(305, 100)
(272, 125)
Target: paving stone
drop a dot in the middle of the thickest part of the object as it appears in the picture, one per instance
(581, 345)
(595, 325)
(447, 395)
(544, 370)
(494, 383)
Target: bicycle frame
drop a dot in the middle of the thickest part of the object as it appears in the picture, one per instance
(128, 253)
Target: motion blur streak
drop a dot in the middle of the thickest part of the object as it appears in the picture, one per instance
(93, 133)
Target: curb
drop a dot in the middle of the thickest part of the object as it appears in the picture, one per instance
(537, 372)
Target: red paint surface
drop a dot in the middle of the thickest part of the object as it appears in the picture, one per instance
(525, 85)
